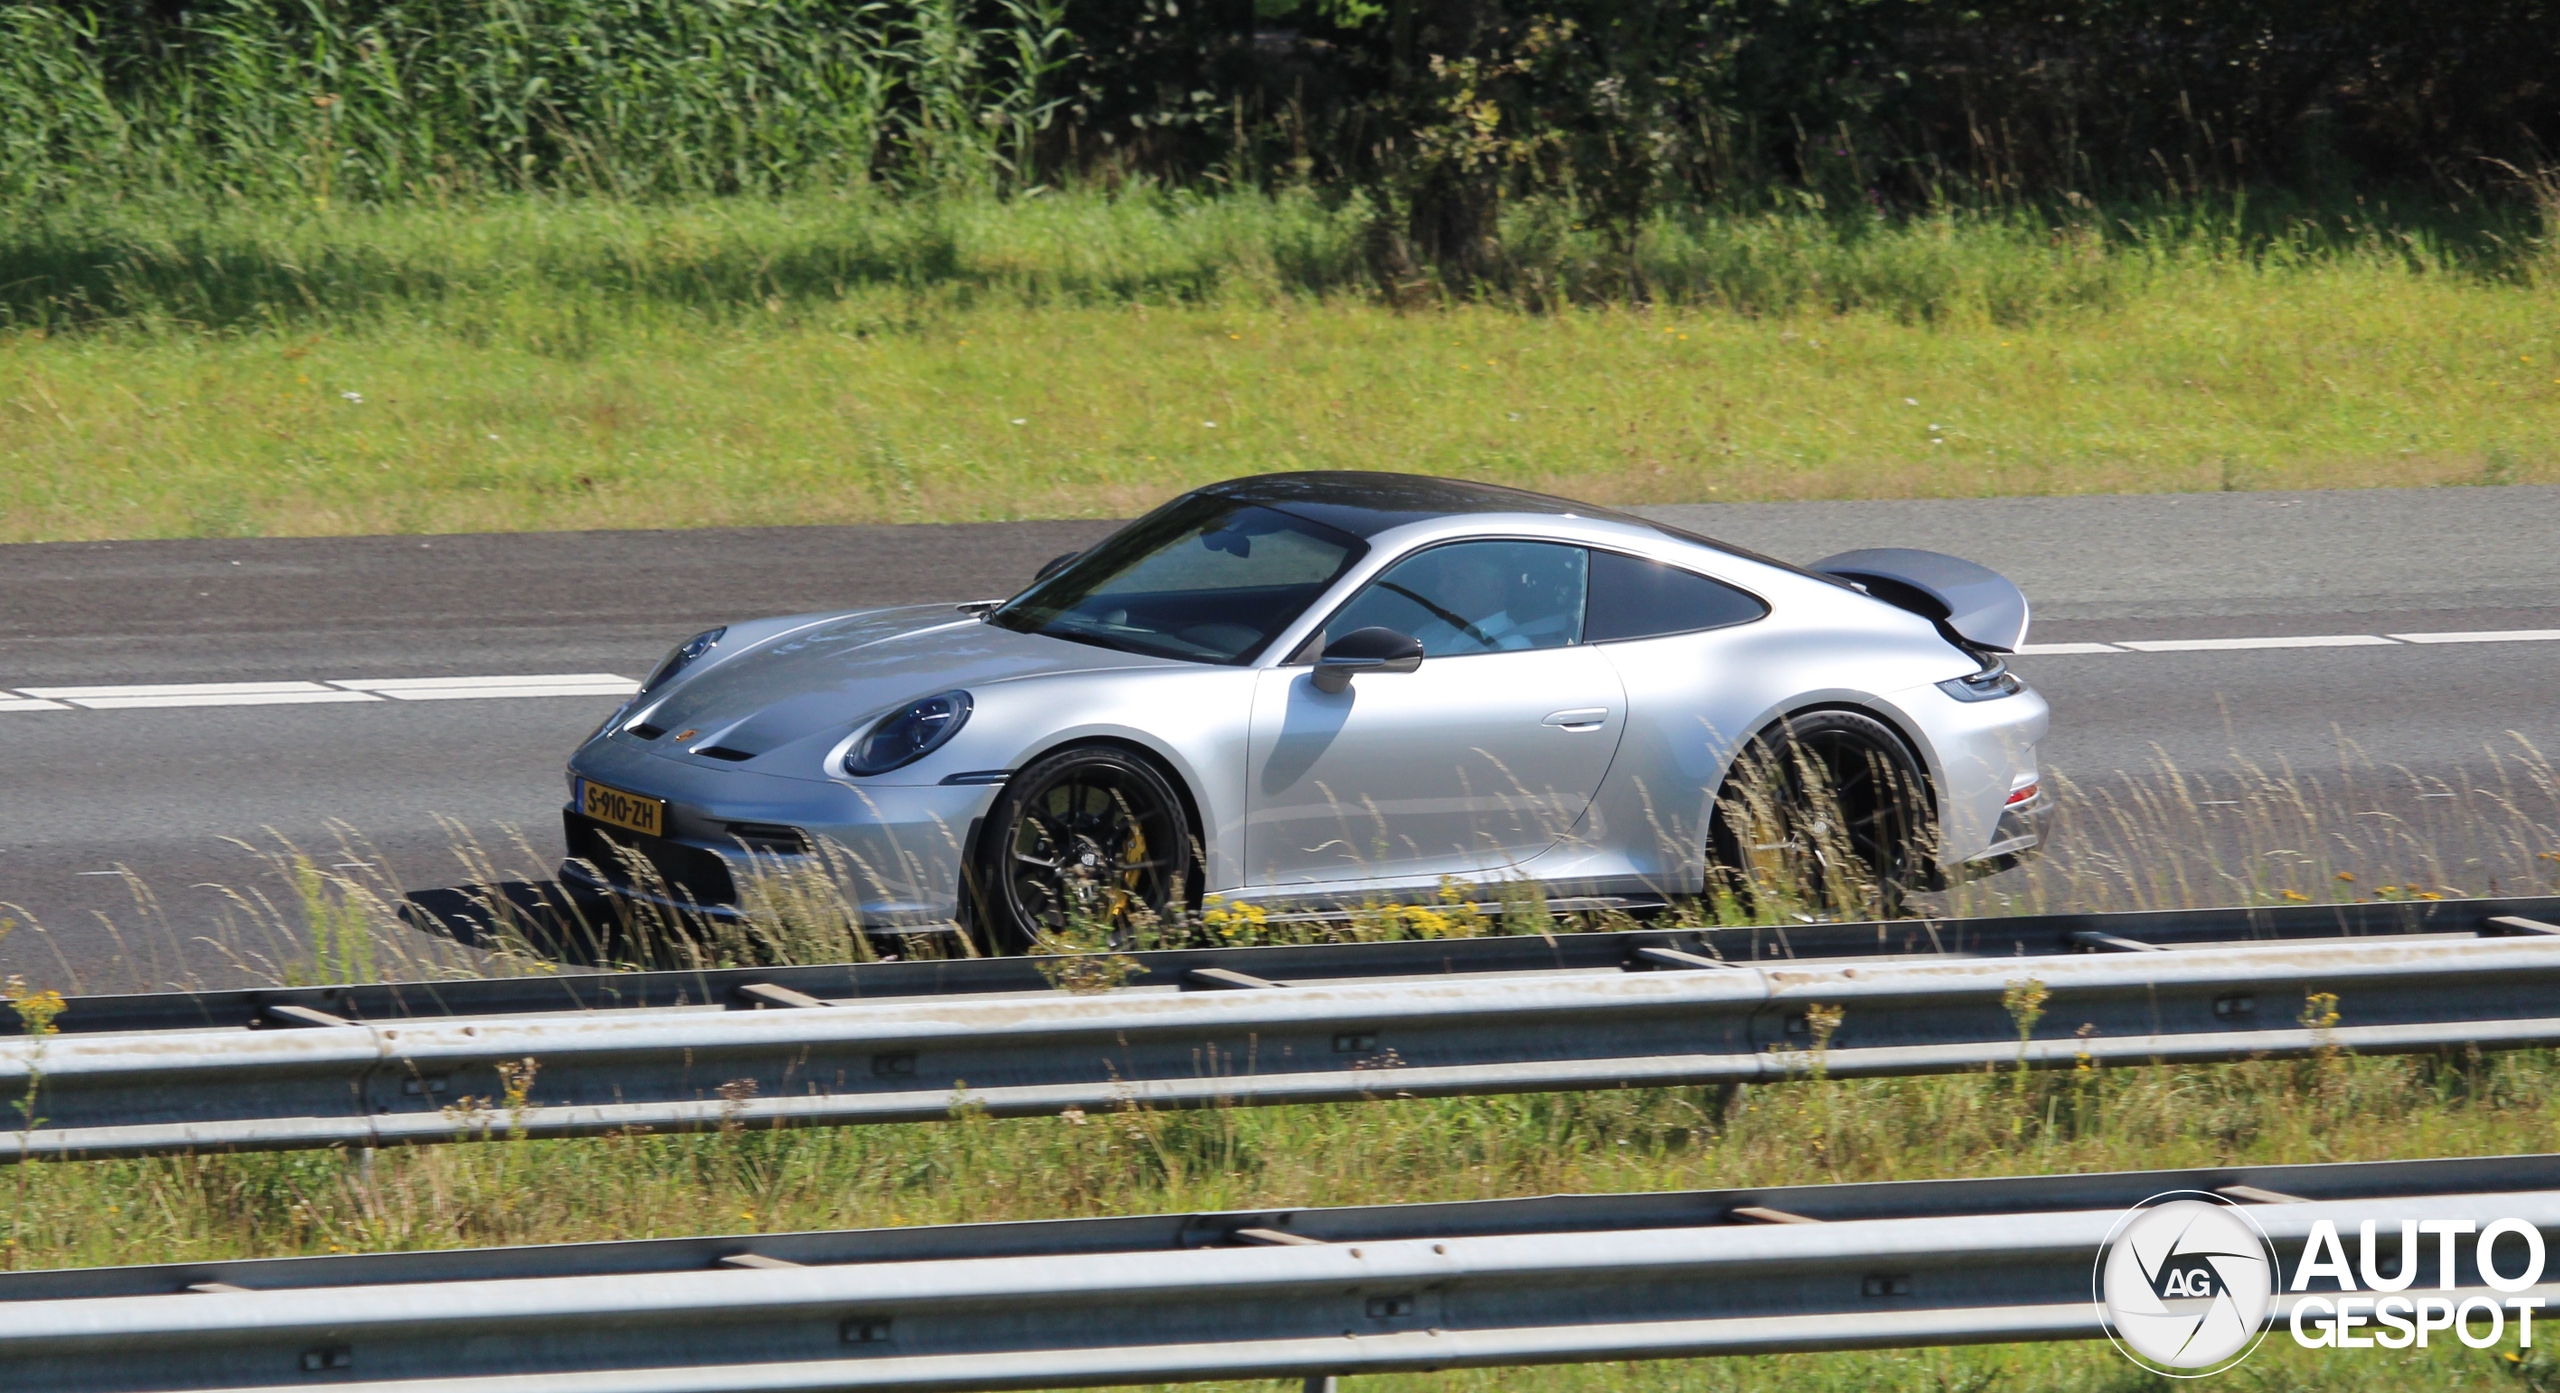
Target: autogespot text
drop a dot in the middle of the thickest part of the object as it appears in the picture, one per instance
(2397, 1321)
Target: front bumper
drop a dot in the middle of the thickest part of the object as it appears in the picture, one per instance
(891, 856)
(671, 875)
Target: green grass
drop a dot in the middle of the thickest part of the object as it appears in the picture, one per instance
(536, 364)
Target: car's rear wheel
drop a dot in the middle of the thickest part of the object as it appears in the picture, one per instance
(1087, 848)
(1826, 812)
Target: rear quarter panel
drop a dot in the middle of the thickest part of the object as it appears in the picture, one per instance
(1694, 699)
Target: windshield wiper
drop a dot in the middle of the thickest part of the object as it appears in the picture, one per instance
(1444, 616)
(1127, 639)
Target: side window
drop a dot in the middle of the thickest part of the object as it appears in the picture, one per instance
(1631, 598)
(1476, 597)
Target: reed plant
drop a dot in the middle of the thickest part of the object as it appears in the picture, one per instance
(320, 105)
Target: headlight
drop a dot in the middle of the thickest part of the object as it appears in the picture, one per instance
(682, 656)
(908, 734)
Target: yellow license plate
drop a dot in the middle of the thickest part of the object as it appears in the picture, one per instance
(629, 811)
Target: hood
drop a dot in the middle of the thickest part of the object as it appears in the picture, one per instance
(823, 678)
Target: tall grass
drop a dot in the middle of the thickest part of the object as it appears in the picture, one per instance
(320, 104)
(2253, 833)
(334, 909)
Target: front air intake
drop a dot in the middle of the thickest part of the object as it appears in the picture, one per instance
(770, 836)
(650, 865)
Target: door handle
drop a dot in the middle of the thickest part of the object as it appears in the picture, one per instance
(1579, 718)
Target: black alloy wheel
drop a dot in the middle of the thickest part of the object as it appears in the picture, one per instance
(1826, 811)
(1085, 848)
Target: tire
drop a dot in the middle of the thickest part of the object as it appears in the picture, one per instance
(1087, 848)
(1826, 812)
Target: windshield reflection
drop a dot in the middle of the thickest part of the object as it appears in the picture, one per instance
(1205, 579)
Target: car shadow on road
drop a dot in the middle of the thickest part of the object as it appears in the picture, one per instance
(542, 919)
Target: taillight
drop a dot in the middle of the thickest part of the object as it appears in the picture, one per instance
(2022, 795)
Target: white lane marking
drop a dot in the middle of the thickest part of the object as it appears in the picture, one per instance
(2201, 645)
(555, 684)
(2486, 636)
(393, 686)
(2204, 645)
(318, 697)
(175, 694)
(487, 693)
(175, 689)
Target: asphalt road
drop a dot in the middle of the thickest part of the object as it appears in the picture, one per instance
(156, 792)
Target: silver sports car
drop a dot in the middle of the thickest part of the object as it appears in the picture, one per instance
(1328, 689)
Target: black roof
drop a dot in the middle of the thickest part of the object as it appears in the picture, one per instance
(1366, 503)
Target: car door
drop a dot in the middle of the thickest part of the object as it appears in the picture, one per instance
(1480, 758)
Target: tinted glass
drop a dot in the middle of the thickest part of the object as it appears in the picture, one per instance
(1476, 597)
(1631, 598)
(1366, 504)
(1203, 578)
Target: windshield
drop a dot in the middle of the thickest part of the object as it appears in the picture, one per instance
(1208, 579)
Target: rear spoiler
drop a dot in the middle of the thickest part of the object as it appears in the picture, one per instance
(1974, 606)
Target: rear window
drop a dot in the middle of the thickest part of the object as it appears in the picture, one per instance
(1633, 598)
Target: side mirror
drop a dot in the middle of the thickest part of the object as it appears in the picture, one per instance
(1366, 650)
(1054, 565)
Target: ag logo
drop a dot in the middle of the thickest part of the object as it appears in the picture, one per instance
(2184, 1283)
(2190, 1275)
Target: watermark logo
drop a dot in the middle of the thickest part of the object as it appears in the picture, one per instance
(2184, 1284)
(2506, 1257)
(2187, 1283)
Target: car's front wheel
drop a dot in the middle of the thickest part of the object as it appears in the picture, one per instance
(1826, 811)
(1087, 848)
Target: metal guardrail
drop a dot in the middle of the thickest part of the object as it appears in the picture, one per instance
(1248, 1040)
(1303, 1293)
(2002, 937)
